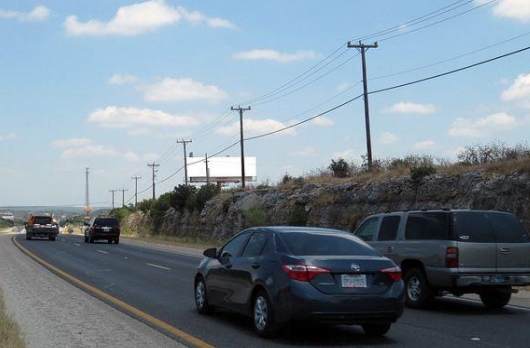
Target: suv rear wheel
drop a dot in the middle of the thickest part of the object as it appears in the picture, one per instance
(495, 299)
(418, 292)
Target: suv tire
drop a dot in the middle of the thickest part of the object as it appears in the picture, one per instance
(495, 299)
(418, 292)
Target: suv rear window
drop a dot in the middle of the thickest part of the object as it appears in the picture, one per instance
(110, 222)
(473, 227)
(508, 229)
(428, 226)
(42, 220)
(489, 227)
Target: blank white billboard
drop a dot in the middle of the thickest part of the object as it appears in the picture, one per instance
(225, 169)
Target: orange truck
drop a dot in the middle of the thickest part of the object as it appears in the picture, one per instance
(41, 226)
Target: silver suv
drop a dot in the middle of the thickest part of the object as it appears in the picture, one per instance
(453, 251)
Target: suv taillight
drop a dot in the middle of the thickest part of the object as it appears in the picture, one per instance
(451, 257)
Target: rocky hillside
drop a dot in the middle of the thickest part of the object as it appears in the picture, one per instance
(343, 205)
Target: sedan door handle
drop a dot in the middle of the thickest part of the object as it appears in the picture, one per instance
(256, 265)
(390, 249)
(505, 250)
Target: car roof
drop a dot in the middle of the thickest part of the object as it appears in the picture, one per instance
(288, 229)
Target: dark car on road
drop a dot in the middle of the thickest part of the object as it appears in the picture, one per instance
(103, 227)
(283, 274)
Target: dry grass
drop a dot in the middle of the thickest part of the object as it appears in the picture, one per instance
(496, 168)
(10, 335)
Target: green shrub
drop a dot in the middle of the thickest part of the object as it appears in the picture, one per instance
(299, 216)
(340, 168)
(255, 216)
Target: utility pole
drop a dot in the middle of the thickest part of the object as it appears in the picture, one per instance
(135, 178)
(207, 170)
(153, 166)
(123, 197)
(86, 208)
(184, 142)
(113, 191)
(363, 48)
(241, 110)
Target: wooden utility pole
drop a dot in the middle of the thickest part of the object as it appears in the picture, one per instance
(113, 191)
(135, 178)
(363, 48)
(184, 142)
(241, 110)
(153, 167)
(123, 197)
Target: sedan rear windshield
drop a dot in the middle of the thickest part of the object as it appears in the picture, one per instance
(314, 243)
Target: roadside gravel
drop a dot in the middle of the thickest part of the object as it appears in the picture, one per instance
(53, 313)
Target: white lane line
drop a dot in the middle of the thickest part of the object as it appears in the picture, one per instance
(77, 244)
(101, 251)
(158, 266)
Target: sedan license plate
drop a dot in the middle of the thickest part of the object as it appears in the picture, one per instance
(353, 280)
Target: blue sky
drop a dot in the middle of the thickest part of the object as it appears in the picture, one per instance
(112, 85)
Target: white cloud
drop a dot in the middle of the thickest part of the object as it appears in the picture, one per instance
(411, 108)
(170, 89)
(482, 127)
(39, 13)
(74, 142)
(89, 151)
(323, 121)
(118, 79)
(344, 86)
(10, 136)
(140, 18)
(388, 138)
(425, 145)
(515, 9)
(520, 89)
(269, 54)
(255, 127)
(131, 156)
(347, 154)
(121, 117)
(308, 151)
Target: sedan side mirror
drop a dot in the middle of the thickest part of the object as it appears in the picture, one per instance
(211, 253)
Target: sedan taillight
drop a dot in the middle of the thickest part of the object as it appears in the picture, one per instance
(393, 273)
(303, 273)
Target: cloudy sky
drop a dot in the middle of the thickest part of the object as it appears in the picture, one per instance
(113, 85)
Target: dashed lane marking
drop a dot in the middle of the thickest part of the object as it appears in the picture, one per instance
(158, 266)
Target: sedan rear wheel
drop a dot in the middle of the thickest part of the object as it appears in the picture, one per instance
(201, 299)
(263, 317)
(376, 329)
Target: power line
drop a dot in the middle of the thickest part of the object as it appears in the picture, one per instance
(451, 71)
(391, 88)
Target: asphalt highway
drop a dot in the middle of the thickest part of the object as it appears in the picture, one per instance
(154, 285)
